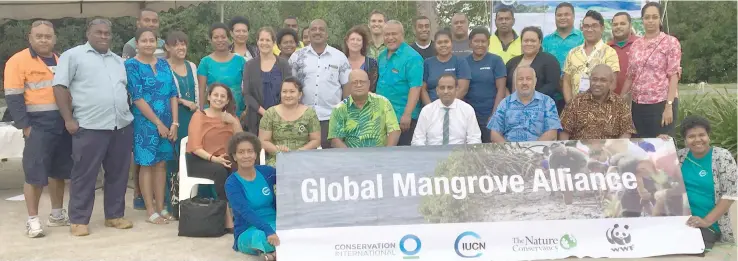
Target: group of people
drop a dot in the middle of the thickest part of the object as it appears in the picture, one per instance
(90, 107)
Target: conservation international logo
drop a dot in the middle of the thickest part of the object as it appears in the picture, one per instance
(619, 238)
(410, 246)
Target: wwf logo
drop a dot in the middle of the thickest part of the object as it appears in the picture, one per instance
(620, 238)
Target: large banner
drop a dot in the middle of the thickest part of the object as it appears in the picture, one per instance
(513, 201)
(541, 13)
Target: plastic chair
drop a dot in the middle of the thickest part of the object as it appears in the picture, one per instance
(187, 184)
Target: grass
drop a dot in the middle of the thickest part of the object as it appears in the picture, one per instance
(720, 107)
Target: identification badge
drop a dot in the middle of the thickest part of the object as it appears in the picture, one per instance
(584, 84)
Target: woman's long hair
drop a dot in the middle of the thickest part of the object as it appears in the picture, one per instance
(230, 107)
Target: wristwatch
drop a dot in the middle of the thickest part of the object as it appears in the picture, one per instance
(175, 124)
(669, 102)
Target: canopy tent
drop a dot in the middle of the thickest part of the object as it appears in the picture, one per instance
(22, 10)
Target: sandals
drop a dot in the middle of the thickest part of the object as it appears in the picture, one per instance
(156, 219)
(167, 216)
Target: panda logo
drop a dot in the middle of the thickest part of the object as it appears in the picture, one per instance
(618, 235)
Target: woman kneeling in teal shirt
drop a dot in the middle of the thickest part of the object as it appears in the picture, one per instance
(250, 191)
(710, 180)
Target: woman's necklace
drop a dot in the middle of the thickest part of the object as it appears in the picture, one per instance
(703, 171)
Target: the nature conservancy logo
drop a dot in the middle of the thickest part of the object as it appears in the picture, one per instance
(544, 244)
(469, 245)
(619, 238)
(410, 246)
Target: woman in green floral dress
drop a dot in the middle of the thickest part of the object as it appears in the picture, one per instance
(289, 125)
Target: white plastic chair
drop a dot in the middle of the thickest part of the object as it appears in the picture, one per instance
(187, 184)
(262, 157)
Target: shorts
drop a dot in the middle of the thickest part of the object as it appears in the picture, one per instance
(47, 155)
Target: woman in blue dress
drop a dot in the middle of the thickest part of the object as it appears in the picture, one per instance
(250, 192)
(151, 87)
(222, 66)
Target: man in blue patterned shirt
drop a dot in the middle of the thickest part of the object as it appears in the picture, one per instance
(525, 115)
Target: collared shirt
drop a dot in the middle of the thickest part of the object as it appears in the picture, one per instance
(97, 83)
(374, 51)
(623, 58)
(585, 118)
(505, 52)
(462, 126)
(363, 127)
(520, 122)
(652, 62)
(560, 47)
(322, 77)
(130, 50)
(397, 75)
(580, 64)
(29, 92)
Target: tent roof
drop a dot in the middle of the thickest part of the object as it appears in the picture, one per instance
(22, 10)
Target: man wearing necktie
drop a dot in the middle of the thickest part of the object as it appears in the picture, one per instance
(447, 120)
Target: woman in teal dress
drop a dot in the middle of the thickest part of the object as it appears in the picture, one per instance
(250, 192)
(222, 66)
(151, 88)
(188, 91)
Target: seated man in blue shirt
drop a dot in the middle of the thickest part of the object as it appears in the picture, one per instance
(525, 115)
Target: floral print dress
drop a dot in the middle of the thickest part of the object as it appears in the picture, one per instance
(293, 134)
(156, 88)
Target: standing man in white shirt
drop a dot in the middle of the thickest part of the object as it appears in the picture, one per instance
(447, 120)
(324, 73)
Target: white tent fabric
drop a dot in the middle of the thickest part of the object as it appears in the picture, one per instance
(22, 10)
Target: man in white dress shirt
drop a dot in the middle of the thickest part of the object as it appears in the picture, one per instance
(447, 120)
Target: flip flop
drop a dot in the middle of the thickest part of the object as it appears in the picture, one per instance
(156, 219)
(167, 216)
(268, 256)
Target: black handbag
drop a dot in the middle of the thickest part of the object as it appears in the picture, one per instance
(201, 217)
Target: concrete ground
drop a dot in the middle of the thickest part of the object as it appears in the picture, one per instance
(141, 243)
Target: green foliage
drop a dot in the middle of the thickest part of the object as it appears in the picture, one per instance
(721, 110)
(707, 32)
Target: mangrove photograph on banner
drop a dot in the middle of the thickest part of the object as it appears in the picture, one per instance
(526, 181)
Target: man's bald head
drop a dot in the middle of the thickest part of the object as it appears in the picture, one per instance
(318, 32)
(602, 69)
(601, 80)
(359, 82)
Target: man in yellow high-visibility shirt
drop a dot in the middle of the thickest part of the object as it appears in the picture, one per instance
(505, 41)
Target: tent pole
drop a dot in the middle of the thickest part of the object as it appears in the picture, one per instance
(222, 11)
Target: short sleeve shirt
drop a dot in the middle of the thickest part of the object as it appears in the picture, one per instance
(560, 47)
(482, 87)
(585, 118)
(97, 83)
(519, 122)
(433, 69)
(365, 127)
(397, 75)
(578, 64)
(322, 77)
(652, 62)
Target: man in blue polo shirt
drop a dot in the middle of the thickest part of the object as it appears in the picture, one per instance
(147, 18)
(566, 37)
(400, 78)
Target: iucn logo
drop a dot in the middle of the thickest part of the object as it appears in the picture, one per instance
(620, 238)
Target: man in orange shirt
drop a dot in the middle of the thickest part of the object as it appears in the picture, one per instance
(47, 155)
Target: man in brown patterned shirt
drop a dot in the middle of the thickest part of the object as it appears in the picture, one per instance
(598, 113)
